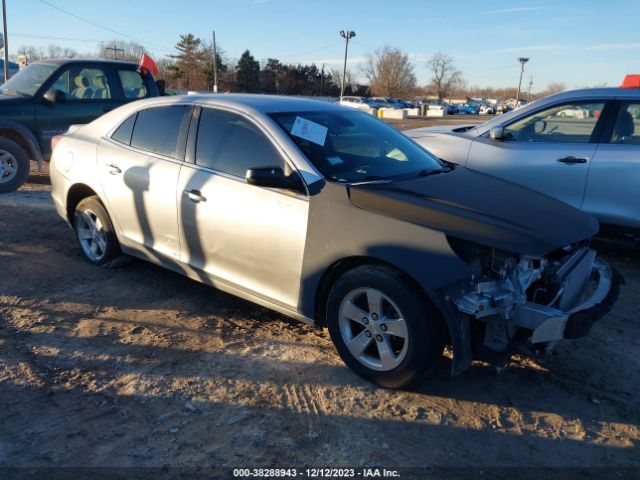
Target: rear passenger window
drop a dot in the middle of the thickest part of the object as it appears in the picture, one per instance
(158, 129)
(627, 127)
(132, 84)
(124, 131)
(231, 144)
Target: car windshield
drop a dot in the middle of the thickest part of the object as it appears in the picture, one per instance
(356, 147)
(27, 82)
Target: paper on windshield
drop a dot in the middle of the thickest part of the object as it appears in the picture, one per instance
(311, 131)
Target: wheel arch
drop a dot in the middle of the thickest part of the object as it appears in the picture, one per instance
(75, 195)
(23, 137)
(340, 267)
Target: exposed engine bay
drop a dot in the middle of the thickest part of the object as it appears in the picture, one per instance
(546, 299)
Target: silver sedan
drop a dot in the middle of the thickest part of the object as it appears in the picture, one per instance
(581, 147)
(327, 215)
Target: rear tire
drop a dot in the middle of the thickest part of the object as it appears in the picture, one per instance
(14, 166)
(384, 329)
(95, 233)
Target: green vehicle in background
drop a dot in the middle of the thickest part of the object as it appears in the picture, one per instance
(48, 96)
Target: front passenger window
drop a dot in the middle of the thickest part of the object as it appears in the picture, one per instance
(627, 128)
(229, 143)
(566, 123)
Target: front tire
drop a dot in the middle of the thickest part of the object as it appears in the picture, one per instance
(95, 233)
(14, 166)
(384, 329)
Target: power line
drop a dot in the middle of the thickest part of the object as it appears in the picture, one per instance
(69, 39)
(98, 25)
(311, 51)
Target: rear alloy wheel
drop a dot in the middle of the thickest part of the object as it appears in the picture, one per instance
(94, 232)
(384, 329)
(14, 166)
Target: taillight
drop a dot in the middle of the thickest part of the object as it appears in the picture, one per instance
(54, 141)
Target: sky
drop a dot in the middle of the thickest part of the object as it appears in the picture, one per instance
(578, 43)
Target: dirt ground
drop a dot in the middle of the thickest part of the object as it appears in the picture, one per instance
(139, 366)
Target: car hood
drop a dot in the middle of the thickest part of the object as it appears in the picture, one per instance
(428, 131)
(480, 208)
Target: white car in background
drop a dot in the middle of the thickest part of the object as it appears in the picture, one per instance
(581, 147)
(356, 102)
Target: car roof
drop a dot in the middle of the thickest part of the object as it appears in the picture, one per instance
(260, 103)
(65, 61)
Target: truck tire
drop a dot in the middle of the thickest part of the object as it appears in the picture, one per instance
(14, 165)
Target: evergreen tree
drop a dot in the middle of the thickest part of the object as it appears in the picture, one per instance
(248, 73)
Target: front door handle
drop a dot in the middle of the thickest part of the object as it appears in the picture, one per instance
(572, 159)
(114, 169)
(195, 196)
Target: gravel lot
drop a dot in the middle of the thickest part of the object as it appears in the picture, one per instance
(139, 366)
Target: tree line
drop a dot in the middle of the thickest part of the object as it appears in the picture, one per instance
(387, 72)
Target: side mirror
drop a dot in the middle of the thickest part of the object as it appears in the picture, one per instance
(55, 96)
(273, 177)
(497, 133)
(540, 126)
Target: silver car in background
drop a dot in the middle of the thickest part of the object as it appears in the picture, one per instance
(330, 216)
(581, 147)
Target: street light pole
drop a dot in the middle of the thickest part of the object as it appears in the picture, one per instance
(347, 35)
(522, 61)
(215, 64)
(6, 42)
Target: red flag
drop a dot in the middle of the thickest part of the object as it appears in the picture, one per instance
(148, 65)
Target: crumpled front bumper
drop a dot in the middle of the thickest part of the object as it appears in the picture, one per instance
(573, 321)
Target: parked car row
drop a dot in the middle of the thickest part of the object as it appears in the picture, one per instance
(376, 102)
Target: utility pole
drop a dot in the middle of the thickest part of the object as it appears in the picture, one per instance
(522, 61)
(347, 35)
(6, 40)
(321, 79)
(530, 85)
(115, 49)
(215, 64)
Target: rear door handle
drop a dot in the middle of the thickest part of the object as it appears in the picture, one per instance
(114, 169)
(572, 159)
(195, 196)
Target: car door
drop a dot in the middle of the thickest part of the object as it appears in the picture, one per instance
(139, 169)
(248, 237)
(612, 192)
(549, 150)
(89, 91)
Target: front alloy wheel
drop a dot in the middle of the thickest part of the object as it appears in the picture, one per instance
(383, 326)
(373, 329)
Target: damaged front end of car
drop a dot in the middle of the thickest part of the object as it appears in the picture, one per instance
(516, 301)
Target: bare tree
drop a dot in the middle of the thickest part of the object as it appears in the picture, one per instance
(444, 71)
(122, 50)
(555, 87)
(390, 72)
(457, 84)
(350, 79)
